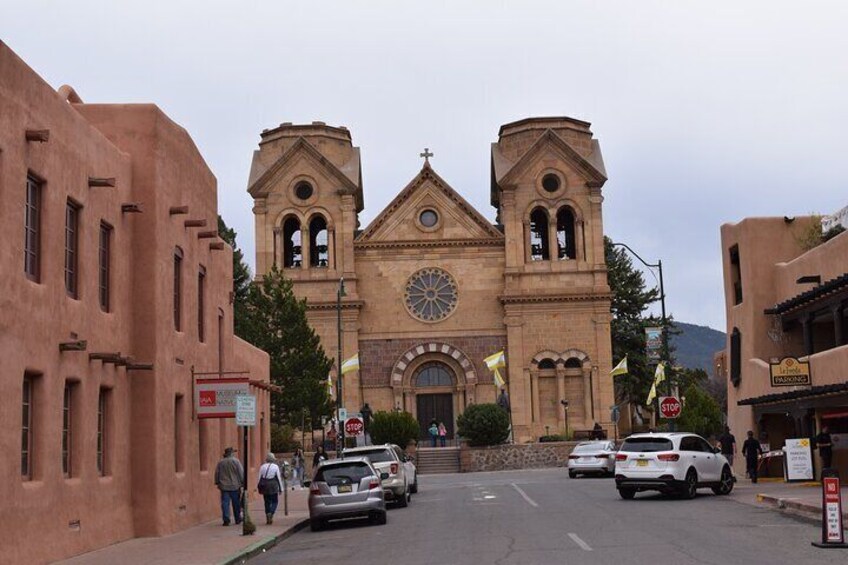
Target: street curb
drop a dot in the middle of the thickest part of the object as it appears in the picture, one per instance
(801, 510)
(264, 545)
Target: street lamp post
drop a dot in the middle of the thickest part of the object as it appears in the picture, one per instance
(565, 407)
(339, 401)
(664, 352)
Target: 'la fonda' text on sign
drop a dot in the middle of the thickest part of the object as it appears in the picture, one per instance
(790, 372)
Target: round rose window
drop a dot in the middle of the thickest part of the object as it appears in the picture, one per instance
(430, 295)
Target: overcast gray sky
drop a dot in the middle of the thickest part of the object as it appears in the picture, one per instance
(707, 112)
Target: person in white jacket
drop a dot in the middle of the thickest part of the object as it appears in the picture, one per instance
(270, 486)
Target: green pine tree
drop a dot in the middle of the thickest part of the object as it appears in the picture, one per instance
(701, 413)
(278, 325)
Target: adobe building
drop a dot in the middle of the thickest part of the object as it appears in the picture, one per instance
(432, 287)
(785, 301)
(114, 286)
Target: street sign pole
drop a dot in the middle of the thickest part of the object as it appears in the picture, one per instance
(245, 418)
(833, 534)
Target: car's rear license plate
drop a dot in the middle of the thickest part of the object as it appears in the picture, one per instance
(641, 462)
(345, 488)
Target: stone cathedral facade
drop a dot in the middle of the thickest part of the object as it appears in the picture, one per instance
(432, 287)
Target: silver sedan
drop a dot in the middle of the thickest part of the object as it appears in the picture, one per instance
(346, 488)
(592, 458)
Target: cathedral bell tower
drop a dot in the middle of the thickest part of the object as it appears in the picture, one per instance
(547, 175)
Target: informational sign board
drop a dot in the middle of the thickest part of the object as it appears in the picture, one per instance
(798, 460)
(245, 410)
(653, 344)
(670, 407)
(216, 398)
(354, 426)
(832, 511)
(615, 414)
(790, 372)
(342, 414)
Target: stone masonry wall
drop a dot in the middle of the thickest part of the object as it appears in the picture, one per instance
(517, 456)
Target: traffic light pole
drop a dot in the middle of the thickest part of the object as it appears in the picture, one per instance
(339, 391)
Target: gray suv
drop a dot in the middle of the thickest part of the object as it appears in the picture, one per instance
(346, 488)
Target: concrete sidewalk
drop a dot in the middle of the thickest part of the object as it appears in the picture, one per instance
(209, 543)
(803, 499)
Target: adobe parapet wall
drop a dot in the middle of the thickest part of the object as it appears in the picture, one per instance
(515, 456)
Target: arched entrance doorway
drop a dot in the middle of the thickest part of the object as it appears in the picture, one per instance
(434, 384)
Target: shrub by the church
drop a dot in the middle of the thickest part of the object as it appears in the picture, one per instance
(393, 427)
(484, 424)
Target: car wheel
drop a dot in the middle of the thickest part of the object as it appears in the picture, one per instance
(725, 484)
(572, 475)
(316, 525)
(403, 500)
(414, 488)
(690, 489)
(626, 493)
(380, 518)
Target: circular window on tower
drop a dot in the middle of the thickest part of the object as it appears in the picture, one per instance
(430, 295)
(550, 182)
(304, 190)
(428, 218)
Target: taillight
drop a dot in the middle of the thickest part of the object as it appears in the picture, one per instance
(621, 457)
(669, 457)
(394, 468)
(314, 490)
(373, 484)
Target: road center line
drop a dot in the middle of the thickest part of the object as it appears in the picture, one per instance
(576, 539)
(523, 494)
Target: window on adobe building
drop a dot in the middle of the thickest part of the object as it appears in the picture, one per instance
(550, 182)
(70, 403)
(567, 249)
(102, 422)
(736, 275)
(546, 364)
(178, 281)
(179, 447)
(27, 403)
(201, 304)
(105, 266)
(72, 214)
(292, 250)
(433, 374)
(539, 245)
(735, 356)
(318, 243)
(573, 363)
(303, 190)
(32, 229)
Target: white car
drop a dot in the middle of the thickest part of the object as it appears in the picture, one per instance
(672, 463)
(592, 458)
(389, 458)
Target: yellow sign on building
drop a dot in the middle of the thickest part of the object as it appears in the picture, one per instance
(790, 372)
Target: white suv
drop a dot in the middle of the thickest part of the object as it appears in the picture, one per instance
(672, 463)
(402, 478)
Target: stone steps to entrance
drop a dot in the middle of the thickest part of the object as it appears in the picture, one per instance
(431, 460)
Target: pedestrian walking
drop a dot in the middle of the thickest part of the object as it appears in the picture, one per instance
(434, 432)
(825, 446)
(298, 465)
(332, 436)
(598, 432)
(443, 433)
(270, 486)
(229, 478)
(320, 455)
(728, 445)
(751, 450)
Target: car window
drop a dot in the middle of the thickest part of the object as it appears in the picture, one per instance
(376, 455)
(689, 443)
(704, 446)
(343, 474)
(646, 444)
(589, 448)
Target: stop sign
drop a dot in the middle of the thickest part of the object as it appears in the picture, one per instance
(670, 407)
(354, 426)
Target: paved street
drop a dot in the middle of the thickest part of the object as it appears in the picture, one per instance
(542, 517)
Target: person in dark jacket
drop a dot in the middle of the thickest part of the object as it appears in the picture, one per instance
(751, 450)
(229, 478)
(824, 443)
(320, 455)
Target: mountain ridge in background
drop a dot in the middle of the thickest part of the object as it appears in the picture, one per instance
(696, 345)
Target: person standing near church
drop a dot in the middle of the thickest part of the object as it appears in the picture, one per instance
(824, 443)
(270, 486)
(751, 450)
(443, 433)
(728, 445)
(434, 432)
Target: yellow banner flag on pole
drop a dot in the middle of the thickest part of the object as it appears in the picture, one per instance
(350, 365)
(652, 394)
(330, 390)
(621, 368)
(659, 374)
(495, 362)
